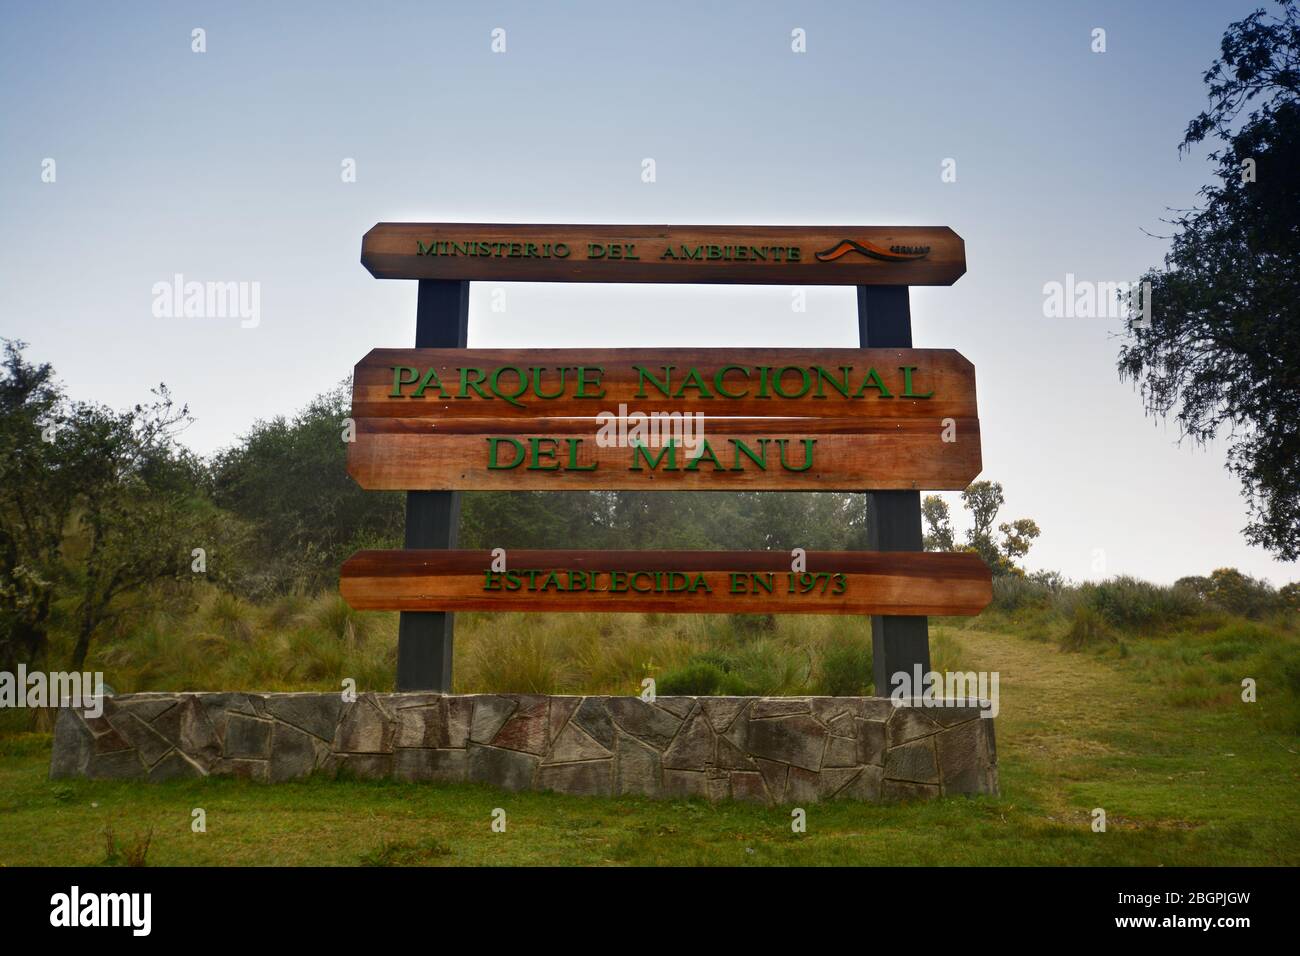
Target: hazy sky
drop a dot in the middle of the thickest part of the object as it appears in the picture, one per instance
(225, 166)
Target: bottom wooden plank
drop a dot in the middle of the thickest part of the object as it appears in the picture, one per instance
(685, 582)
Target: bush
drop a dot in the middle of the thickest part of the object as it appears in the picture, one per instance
(1128, 602)
(1012, 592)
(1088, 629)
(697, 679)
(845, 669)
(1241, 594)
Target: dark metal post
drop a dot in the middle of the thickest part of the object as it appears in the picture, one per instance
(898, 644)
(424, 638)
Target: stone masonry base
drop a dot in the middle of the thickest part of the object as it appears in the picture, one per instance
(765, 749)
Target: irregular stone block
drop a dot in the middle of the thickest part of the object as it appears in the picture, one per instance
(677, 706)
(186, 727)
(832, 780)
(247, 737)
(871, 742)
(907, 724)
(797, 740)
(147, 708)
(562, 709)
(898, 791)
(779, 707)
(369, 766)
(693, 748)
(490, 712)
(590, 779)
(648, 723)
(774, 776)
(175, 766)
(365, 728)
(442, 766)
(508, 769)
(951, 716)
(913, 762)
(460, 711)
(72, 746)
(317, 714)
(575, 744)
(119, 765)
(723, 710)
(220, 706)
(731, 757)
(717, 785)
(241, 769)
(963, 758)
(637, 768)
(421, 727)
(748, 786)
(842, 725)
(293, 753)
(683, 784)
(840, 752)
(803, 786)
(150, 744)
(865, 786)
(592, 717)
(526, 728)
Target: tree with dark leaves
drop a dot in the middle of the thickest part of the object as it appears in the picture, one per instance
(1221, 349)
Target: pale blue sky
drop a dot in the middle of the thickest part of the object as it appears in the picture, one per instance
(225, 165)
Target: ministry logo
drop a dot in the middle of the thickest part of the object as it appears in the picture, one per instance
(872, 251)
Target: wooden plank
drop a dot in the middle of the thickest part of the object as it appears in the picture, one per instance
(771, 255)
(874, 418)
(836, 582)
(745, 382)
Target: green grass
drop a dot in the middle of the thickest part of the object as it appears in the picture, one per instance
(1185, 779)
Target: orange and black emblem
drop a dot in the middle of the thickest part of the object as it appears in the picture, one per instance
(872, 251)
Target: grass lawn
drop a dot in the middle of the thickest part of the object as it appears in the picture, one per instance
(1181, 785)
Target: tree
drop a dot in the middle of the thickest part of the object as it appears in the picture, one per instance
(1222, 347)
(34, 506)
(938, 525)
(94, 505)
(288, 480)
(983, 499)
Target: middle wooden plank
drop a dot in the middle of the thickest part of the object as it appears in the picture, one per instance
(664, 419)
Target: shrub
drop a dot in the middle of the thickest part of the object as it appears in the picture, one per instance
(845, 669)
(1128, 602)
(1241, 594)
(697, 679)
(1088, 629)
(1012, 592)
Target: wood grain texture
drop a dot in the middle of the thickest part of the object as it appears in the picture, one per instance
(874, 582)
(873, 438)
(825, 255)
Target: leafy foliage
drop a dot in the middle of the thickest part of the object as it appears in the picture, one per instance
(1222, 348)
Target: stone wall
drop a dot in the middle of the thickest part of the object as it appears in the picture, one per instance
(766, 749)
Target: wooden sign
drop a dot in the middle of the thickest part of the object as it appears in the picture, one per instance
(835, 582)
(772, 255)
(664, 419)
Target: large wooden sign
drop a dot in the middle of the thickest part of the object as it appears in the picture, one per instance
(664, 419)
(834, 582)
(775, 255)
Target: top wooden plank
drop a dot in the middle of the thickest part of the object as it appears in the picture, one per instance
(760, 255)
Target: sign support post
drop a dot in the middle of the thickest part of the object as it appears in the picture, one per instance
(898, 644)
(424, 638)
